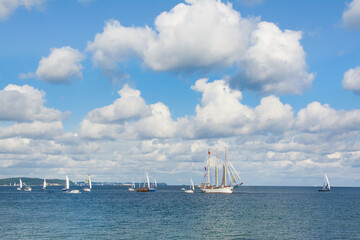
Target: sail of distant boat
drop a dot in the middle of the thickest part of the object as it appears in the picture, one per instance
(88, 181)
(20, 185)
(44, 184)
(326, 184)
(67, 184)
(132, 188)
(191, 188)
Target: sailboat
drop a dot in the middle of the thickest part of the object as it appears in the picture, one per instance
(88, 180)
(132, 188)
(44, 185)
(153, 187)
(67, 187)
(326, 185)
(20, 185)
(228, 169)
(192, 187)
(67, 184)
(146, 185)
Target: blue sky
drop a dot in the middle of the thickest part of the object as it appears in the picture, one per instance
(113, 87)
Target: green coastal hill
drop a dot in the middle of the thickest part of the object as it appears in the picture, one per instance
(32, 181)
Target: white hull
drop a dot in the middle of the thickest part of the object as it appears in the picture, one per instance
(218, 190)
(189, 191)
(86, 189)
(18, 189)
(75, 191)
(131, 189)
(28, 189)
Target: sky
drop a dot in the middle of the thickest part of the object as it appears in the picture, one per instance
(114, 88)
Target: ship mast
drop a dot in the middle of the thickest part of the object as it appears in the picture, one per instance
(208, 169)
(216, 169)
(225, 169)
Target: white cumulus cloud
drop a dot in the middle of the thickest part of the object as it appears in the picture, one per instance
(25, 104)
(275, 62)
(7, 7)
(351, 80)
(351, 16)
(63, 65)
(205, 35)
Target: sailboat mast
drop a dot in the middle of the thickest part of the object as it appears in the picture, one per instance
(225, 168)
(208, 169)
(216, 168)
(90, 185)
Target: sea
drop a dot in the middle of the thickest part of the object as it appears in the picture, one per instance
(112, 212)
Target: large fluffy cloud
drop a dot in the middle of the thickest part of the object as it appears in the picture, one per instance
(7, 7)
(63, 65)
(207, 35)
(274, 62)
(351, 80)
(25, 104)
(128, 117)
(351, 16)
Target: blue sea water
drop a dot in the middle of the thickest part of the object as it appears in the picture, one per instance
(112, 212)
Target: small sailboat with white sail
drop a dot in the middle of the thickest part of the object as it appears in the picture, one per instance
(153, 186)
(67, 184)
(132, 188)
(326, 185)
(228, 170)
(44, 185)
(146, 185)
(20, 185)
(192, 187)
(88, 181)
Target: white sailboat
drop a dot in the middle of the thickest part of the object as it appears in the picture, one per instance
(154, 186)
(326, 185)
(67, 184)
(132, 188)
(225, 187)
(192, 187)
(20, 185)
(88, 180)
(44, 185)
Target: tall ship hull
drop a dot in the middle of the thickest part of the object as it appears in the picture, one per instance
(218, 190)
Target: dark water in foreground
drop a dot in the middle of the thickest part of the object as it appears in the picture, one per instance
(111, 212)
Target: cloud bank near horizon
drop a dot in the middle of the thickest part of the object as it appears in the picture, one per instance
(124, 139)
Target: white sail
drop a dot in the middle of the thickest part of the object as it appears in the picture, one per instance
(44, 184)
(148, 181)
(67, 183)
(192, 187)
(20, 184)
(90, 185)
(326, 182)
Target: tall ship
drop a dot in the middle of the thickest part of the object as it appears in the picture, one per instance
(230, 178)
